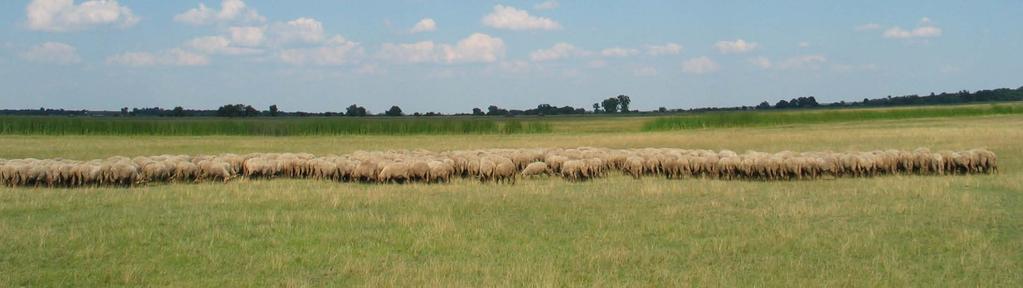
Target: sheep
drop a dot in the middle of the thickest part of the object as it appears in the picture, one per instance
(185, 171)
(397, 172)
(535, 169)
(440, 171)
(215, 170)
(505, 171)
(574, 170)
(365, 171)
(420, 171)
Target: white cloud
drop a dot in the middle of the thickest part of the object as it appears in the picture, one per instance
(925, 29)
(247, 36)
(53, 53)
(868, 27)
(666, 49)
(507, 17)
(173, 57)
(548, 5)
(230, 10)
(761, 62)
(218, 45)
(556, 52)
(306, 30)
(64, 15)
(336, 51)
(425, 25)
(477, 47)
(646, 71)
(700, 65)
(737, 46)
(618, 52)
(803, 44)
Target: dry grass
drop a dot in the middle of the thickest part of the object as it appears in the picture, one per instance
(886, 231)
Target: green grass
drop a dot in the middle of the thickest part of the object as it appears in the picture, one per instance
(886, 231)
(263, 126)
(777, 118)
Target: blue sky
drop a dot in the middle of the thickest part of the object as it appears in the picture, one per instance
(451, 56)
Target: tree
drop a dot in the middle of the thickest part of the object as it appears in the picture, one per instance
(610, 105)
(478, 112)
(782, 104)
(178, 112)
(662, 110)
(124, 111)
(493, 110)
(356, 110)
(596, 107)
(764, 105)
(274, 111)
(624, 101)
(394, 111)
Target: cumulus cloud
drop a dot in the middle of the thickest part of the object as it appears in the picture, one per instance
(737, 46)
(247, 35)
(425, 25)
(556, 52)
(230, 11)
(925, 29)
(218, 45)
(548, 5)
(477, 48)
(507, 17)
(173, 57)
(618, 52)
(52, 53)
(307, 30)
(65, 15)
(700, 65)
(336, 51)
(666, 49)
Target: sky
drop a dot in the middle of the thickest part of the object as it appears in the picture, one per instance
(452, 56)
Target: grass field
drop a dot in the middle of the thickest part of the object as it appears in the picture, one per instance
(616, 231)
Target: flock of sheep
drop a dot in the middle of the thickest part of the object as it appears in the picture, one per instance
(497, 165)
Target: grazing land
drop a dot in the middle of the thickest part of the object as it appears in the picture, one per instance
(899, 230)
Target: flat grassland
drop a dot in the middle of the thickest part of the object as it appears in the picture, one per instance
(615, 231)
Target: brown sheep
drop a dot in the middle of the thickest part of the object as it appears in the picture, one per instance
(535, 169)
(215, 170)
(397, 172)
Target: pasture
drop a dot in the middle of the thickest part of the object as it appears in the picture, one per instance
(896, 230)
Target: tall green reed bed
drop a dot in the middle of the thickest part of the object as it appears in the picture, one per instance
(775, 118)
(264, 126)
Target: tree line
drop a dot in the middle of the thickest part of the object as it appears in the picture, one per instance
(612, 105)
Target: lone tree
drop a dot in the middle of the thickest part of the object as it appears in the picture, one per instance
(356, 110)
(274, 111)
(623, 101)
(610, 105)
(478, 112)
(394, 111)
(596, 107)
